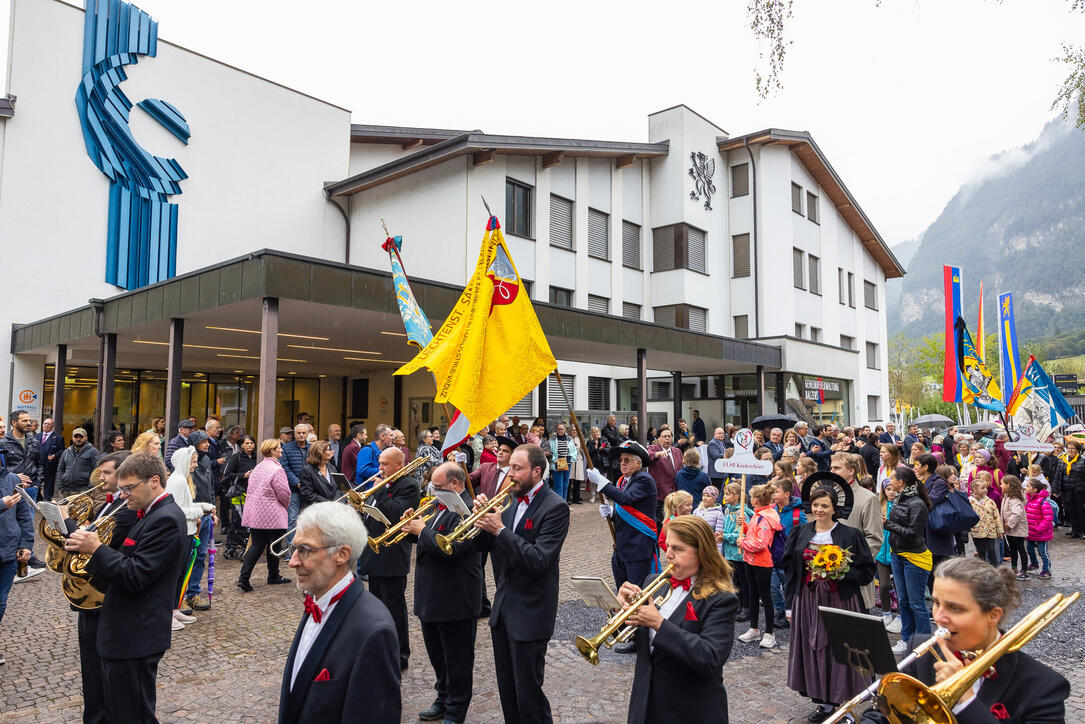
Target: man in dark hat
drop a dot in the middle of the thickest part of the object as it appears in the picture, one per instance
(184, 429)
(633, 513)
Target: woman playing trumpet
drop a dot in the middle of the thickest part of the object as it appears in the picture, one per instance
(683, 644)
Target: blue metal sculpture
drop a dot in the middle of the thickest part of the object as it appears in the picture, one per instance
(142, 232)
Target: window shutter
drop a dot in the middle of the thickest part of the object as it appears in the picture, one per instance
(630, 245)
(797, 269)
(847, 342)
(815, 274)
(598, 304)
(740, 180)
(696, 240)
(663, 248)
(659, 389)
(553, 392)
(870, 295)
(698, 319)
(598, 393)
(851, 289)
(630, 310)
(812, 207)
(796, 198)
(740, 255)
(840, 283)
(815, 334)
(598, 234)
(872, 404)
(523, 408)
(742, 326)
(665, 316)
(561, 222)
(871, 355)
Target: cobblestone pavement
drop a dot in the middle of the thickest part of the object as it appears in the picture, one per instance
(227, 667)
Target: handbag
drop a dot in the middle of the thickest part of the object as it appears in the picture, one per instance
(953, 515)
(561, 464)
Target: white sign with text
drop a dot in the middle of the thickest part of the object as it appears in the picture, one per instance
(743, 462)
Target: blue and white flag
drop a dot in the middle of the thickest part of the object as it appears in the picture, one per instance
(1044, 388)
(415, 323)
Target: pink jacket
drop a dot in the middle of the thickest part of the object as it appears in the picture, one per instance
(757, 538)
(267, 498)
(1041, 519)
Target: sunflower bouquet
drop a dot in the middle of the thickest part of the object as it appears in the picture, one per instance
(831, 563)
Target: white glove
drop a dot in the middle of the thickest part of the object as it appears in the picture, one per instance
(597, 479)
(605, 510)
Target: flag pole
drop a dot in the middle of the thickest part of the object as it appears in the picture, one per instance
(588, 465)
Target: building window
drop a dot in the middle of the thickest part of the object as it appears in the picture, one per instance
(815, 334)
(847, 342)
(740, 256)
(841, 282)
(698, 319)
(740, 180)
(800, 330)
(598, 393)
(812, 207)
(528, 286)
(561, 222)
(797, 269)
(598, 304)
(523, 409)
(561, 297)
(666, 315)
(678, 246)
(554, 398)
(851, 290)
(796, 198)
(631, 311)
(598, 234)
(517, 208)
(872, 359)
(873, 408)
(663, 248)
(659, 390)
(630, 245)
(696, 239)
(742, 326)
(682, 316)
(815, 275)
(870, 295)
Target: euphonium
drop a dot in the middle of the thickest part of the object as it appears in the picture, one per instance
(79, 588)
(466, 530)
(589, 648)
(395, 533)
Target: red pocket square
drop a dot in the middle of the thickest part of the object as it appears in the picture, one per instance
(998, 710)
(691, 615)
(324, 675)
(129, 542)
(528, 525)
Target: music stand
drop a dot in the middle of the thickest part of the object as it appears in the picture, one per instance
(341, 482)
(859, 641)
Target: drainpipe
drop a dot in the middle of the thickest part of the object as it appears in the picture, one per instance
(346, 221)
(756, 266)
(99, 307)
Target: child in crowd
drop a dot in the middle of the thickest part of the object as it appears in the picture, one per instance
(986, 533)
(755, 543)
(1014, 522)
(732, 531)
(789, 507)
(887, 496)
(711, 510)
(677, 503)
(1041, 525)
(804, 468)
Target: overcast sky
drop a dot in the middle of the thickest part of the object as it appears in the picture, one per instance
(907, 99)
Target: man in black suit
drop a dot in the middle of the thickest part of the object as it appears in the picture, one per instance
(388, 570)
(52, 445)
(95, 707)
(447, 598)
(343, 664)
(135, 619)
(525, 543)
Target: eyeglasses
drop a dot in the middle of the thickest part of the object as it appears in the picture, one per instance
(127, 489)
(304, 551)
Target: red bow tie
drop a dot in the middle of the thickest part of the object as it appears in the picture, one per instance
(524, 499)
(966, 657)
(140, 514)
(683, 582)
(109, 498)
(441, 507)
(314, 610)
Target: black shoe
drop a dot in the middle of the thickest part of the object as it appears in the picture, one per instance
(629, 647)
(36, 562)
(743, 615)
(820, 714)
(780, 621)
(244, 586)
(435, 712)
(402, 665)
(276, 581)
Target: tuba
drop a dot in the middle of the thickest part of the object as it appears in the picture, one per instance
(615, 631)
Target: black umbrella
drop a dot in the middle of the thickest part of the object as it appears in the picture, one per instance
(932, 421)
(781, 421)
(980, 426)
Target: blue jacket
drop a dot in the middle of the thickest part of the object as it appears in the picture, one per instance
(693, 481)
(732, 532)
(716, 450)
(787, 515)
(173, 446)
(820, 452)
(293, 461)
(367, 465)
(16, 524)
(639, 493)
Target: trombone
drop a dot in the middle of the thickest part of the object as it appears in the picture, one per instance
(355, 497)
(466, 530)
(906, 700)
(395, 533)
(615, 631)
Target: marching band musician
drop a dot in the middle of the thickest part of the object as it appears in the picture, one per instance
(683, 645)
(388, 570)
(447, 597)
(633, 513)
(90, 664)
(344, 663)
(134, 623)
(489, 479)
(525, 541)
(971, 599)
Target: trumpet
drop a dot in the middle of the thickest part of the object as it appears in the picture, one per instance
(466, 530)
(615, 631)
(395, 533)
(355, 497)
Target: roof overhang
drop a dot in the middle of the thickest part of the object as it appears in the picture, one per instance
(802, 145)
(482, 147)
(406, 136)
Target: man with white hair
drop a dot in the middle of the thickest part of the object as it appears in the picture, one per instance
(346, 635)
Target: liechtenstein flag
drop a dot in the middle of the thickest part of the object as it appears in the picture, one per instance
(952, 384)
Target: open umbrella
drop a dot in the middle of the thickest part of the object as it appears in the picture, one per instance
(781, 421)
(932, 421)
(979, 426)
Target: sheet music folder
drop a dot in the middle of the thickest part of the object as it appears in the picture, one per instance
(859, 641)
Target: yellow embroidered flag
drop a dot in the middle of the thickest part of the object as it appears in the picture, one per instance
(491, 350)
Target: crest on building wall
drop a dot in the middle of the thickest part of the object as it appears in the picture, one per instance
(701, 170)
